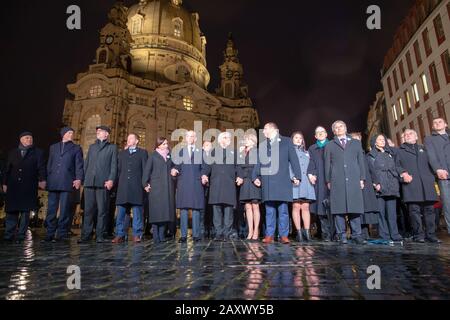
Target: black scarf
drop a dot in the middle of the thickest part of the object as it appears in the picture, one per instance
(24, 150)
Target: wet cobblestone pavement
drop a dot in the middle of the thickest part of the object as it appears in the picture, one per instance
(230, 270)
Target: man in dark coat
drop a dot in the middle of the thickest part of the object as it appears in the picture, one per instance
(24, 173)
(418, 188)
(100, 174)
(435, 144)
(272, 174)
(130, 193)
(65, 175)
(345, 174)
(316, 175)
(220, 171)
(190, 191)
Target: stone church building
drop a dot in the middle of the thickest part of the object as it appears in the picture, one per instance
(150, 77)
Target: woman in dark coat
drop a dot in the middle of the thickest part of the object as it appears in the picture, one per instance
(385, 181)
(130, 194)
(418, 186)
(24, 172)
(249, 194)
(316, 175)
(158, 182)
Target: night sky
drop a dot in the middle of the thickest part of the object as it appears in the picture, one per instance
(307, 63)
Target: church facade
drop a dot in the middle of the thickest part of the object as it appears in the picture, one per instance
(150, 77)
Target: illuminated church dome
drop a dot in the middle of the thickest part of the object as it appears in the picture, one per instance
(168, 45)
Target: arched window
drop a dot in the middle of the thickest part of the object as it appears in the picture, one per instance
(95, 91)
(140, 129)
(136, 24)
(90, 132)
(229, 90)
(188, 103)
(102, 56)
(177, 27)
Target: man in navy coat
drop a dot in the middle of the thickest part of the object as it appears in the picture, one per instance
(273, 176)
(65, 175)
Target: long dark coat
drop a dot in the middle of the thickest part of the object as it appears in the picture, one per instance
(21, 176)
(435, 144)
(371, 208)
(64, 166)
(344, 169)
(222, 177)
(101, 164)
(414, 160)
(190, 192)
(384, 172)
(162, 194)
(316, 168)
(131, 169)
(276, 181)
(248, 191)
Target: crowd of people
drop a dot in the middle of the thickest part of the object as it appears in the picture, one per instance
(347, 194)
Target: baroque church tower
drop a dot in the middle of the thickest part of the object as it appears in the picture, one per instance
(150, 77)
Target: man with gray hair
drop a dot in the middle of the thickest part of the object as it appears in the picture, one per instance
(345, 175)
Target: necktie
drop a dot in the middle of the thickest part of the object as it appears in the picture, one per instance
(343, 142)
(132, 150)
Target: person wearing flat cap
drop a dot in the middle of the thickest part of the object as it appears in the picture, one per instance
(65, 175)
(24, 173)
(100, 173)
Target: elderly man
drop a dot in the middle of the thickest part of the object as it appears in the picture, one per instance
(418, 180)
(345, 174)
(316, 175)
(190, 193)
(24, 173)
(273, 176)
(435, 144)
(101, 172)
(65, 175)
(221, 174)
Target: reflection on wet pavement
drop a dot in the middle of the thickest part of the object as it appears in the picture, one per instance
(231, 270)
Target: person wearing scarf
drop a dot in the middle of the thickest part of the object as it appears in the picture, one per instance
(159, 184)
(303, 194)
(25, 172)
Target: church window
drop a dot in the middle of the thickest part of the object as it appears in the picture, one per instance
(95, 91)
(136, 25)
(229, 92)
(140, 129)
(177, 27)
(90, 132)
(188, 103)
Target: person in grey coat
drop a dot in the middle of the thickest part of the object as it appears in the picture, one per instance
(272, 174)
(100, 174)
(345, 175)
(190, 194)
(438, 141)
(220, 172)
(130, 193)
(316, 175)
(303, 194)
(385, 181)
(24, 173)
(418, 181)
(65, 176)
(159, 184)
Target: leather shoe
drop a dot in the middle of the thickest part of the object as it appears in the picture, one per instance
(285, 240)
(101, 240)
(268, 240)
(118, 240)
(197, 239)
(434, 240)
(182, 240)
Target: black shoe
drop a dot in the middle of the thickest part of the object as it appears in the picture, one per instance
(419, 240)
(307, 235)
(326, 238)
(434, 240)
(48, 239)
(182, 240)
(197, 239)
(101, 240)
(83, 240)
(299, 236)
(9, 240)
(343, 241)
(218, 239)
(18, 241)
(359, 241)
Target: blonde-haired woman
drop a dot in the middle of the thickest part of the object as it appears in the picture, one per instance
(249, 194)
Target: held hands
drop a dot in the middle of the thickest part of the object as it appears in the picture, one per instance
(205, 180)
(109, 184)
(5, 188)
(147, 188)
(406, 177)
(296, 182)
(174, 172)
(362, 184)
(378, 187)
(239, 181)
(257, 183)
(312, 179)
(77, 184)
(42, 185)
(442, 174)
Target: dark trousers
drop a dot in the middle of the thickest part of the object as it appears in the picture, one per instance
(159, 232)
(223, 220)
(96, 203)
(416, 210)
(12, 220)
(327, 226)
(60, 226)
(355, 225)
(387, 219)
